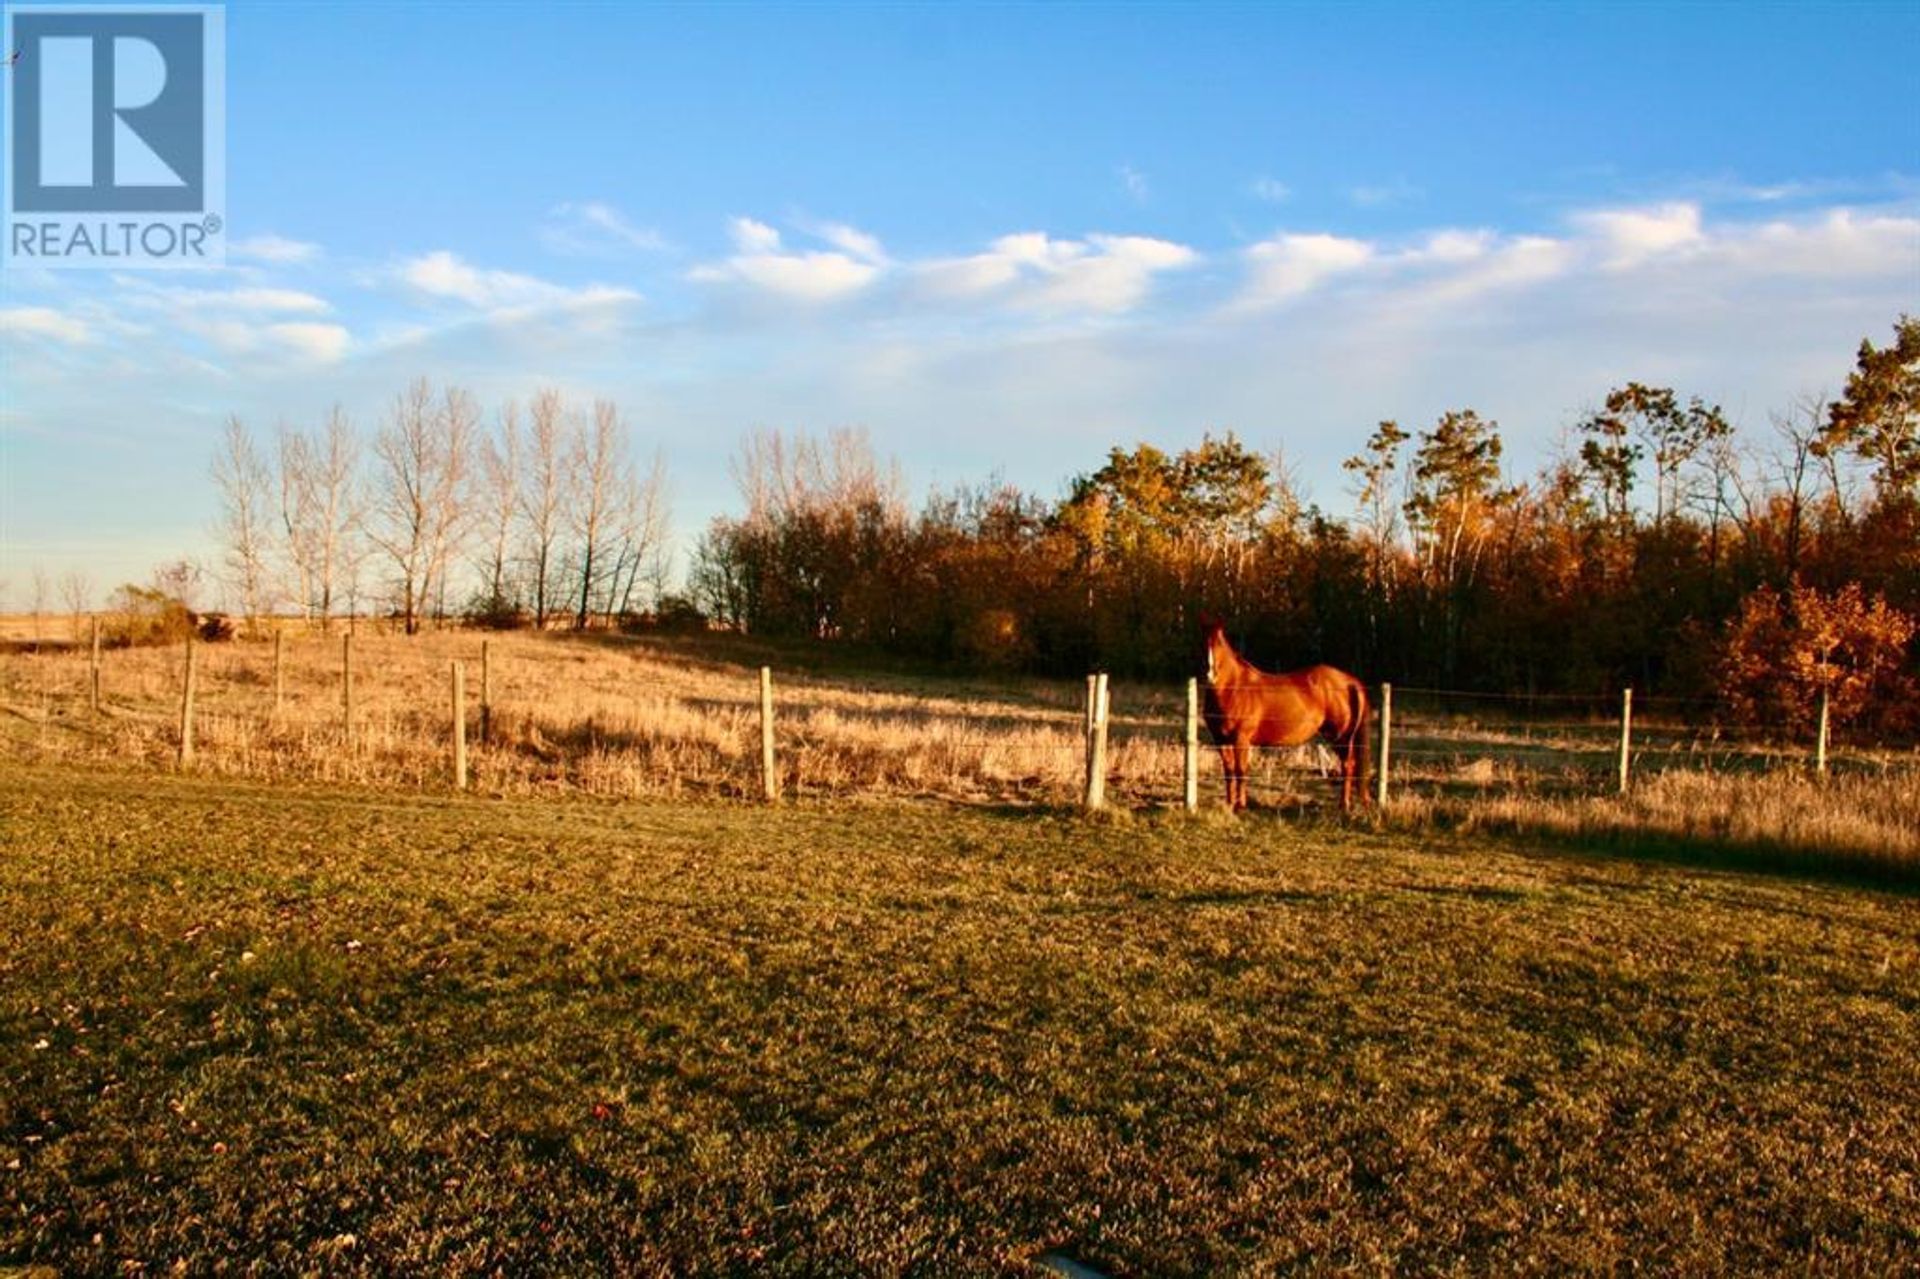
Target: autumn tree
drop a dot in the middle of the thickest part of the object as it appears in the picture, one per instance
(1878, 418)
(1783, 649)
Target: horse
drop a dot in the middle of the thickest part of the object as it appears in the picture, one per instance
(1247, 707)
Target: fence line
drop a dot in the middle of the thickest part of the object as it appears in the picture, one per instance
(1152, 753)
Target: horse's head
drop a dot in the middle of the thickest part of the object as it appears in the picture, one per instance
(1213, 631)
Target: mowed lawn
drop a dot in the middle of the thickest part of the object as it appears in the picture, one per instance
(342, 1031)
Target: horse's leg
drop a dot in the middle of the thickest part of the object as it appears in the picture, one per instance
(1348, 758)
(1241, 763)
(1226, 773)
(1345, 742)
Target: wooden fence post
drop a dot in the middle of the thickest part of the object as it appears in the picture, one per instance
(1386, 744)
(486, 692)
(186, 709)
(346, 687)
(1820, 742)
(459, 727)
(279, 670)
(1192, 789)
(1626, 736)
(93, 668)
(1097, 745)
(769, 775)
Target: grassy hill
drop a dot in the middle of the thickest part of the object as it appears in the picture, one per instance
(356, 1030)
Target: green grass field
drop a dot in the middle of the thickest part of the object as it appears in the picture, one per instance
(347, 1030)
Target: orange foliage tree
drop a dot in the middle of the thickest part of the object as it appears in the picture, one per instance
(1780, 651)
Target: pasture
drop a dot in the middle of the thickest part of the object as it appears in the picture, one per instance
(363, 1030)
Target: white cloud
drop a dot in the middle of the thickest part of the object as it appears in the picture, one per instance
(750, 236)
(1291, 265)
(1628, 237)
(443, 274)
(596, 229)
(1113, 274)
(1675, 239)
(321, 343)
(45, 322)
(1453, 246)
(274, 248)
(251, 300)
(816, 275)
(1103, 273)
(1135, 182)
(1463, 266)
(1837, 244)
(854, 242)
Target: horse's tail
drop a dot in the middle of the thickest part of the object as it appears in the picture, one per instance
(1357, 741)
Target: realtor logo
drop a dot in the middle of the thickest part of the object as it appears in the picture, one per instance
(115, 144)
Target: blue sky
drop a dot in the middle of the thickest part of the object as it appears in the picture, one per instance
(999, 238)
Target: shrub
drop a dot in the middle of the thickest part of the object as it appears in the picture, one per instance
(142, 615)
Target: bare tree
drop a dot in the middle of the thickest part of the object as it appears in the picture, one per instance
(241, 476)
(76, 592)
(298, 543)
(179, 580)
(640, 540)
(42, 591)
(499, 506)
(602, 476)
(335, 501)
(450, 509)
(1798, 432)
(415, 513)
(544, 498)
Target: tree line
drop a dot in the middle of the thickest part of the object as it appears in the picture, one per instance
(1656, 549)
(539, 517)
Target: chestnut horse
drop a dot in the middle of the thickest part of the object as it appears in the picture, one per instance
(1247, 707)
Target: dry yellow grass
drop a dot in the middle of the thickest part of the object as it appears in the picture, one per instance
(1871, 819)
(607, 715)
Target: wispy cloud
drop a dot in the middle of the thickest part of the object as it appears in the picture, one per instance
(275, 249)
(45, 322)
(1135, 183)
(1378, 195)
(1453, 265)
(445, 275)
(596, 229)
(251, 299)
(1272, 190)
(320, 343)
